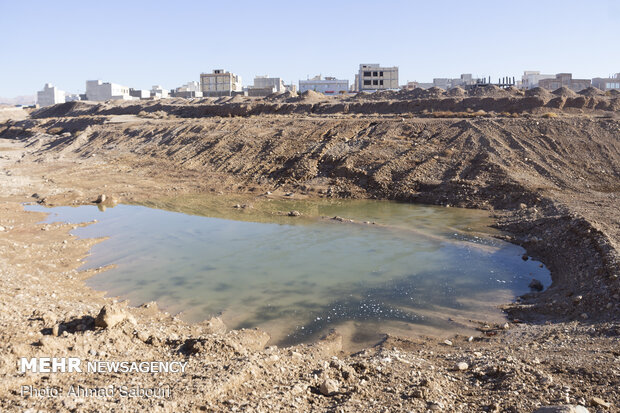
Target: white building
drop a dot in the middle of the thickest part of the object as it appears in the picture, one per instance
(188, 90)
(192, 86)
(99, 91)
(372, 76)
(140, 93)
(159, 92)
(220, 83)
(327, 86)
(50, 95)
(530, 79)
(262, 82)
(72, 97)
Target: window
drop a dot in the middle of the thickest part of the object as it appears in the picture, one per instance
(366, 82)
(381, 82)
(375, 82)
(366, 74)
(374, 73)
(381, 74)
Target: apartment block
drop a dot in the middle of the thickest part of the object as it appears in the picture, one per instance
(50, 95)
(159, 92)
(327, 85)
(98, 91)
(565, 79)
(607, 83)
(220, 83)
(187, 91)
(140, 93)
(372, 76)
(531, 79)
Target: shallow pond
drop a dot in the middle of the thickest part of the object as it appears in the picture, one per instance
(395, 268)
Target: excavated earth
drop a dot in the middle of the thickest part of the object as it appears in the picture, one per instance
(546, 166)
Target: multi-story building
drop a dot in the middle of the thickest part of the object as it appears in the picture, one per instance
(220, 83)
(72, 97)
(99, 91)
(374, 77)
(188, 90)
(266, 82)
(159, 92)
(607, 83)
(140, 93)
(50, 95)
(265, 86)
(531, 78)
(565, 79)
(327, 85)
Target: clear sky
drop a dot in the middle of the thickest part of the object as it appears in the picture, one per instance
(142, 43)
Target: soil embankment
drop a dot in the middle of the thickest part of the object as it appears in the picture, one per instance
(548, 165)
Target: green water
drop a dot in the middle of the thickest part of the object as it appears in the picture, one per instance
(397, 268)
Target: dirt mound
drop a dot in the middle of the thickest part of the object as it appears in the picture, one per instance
(310, 96)
(237, 99)
(539, 92)
(282, 96)
(592, 91)
(564, 92)
(435, 92)
(457, 92)
(491, 91)
(514, 91)
(64, 109)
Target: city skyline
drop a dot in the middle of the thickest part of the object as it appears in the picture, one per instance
(147, 43)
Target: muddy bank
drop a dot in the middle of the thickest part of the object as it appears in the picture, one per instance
(552, 182)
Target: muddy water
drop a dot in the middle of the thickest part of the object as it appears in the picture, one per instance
(396, 268)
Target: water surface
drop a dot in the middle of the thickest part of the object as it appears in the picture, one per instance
(397, 268)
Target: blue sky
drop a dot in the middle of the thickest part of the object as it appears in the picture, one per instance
(141, 43)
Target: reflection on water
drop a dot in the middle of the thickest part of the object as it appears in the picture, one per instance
(416, 270)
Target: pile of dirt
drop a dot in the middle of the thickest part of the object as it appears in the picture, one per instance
(514, 91)
(564, 92)
(435, 92)
(310, 96)
(539, 92)
(492, 91)
(282, 96)
(591, 92)
(456, 91)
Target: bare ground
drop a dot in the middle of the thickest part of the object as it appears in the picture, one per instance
(553, 183)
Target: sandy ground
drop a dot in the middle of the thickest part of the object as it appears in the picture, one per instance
(552, 183)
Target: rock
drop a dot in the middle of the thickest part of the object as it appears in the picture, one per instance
(2, 228)
(506, 326)
(524, 257)
(598, 402)
(522, 206)
(329, 387)
(55, 330)
(569, 408)
(447, 342)
(536, 285)
(462, 366)
(584, 316)
(294, 213)
(101, 199)
(111, 315)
